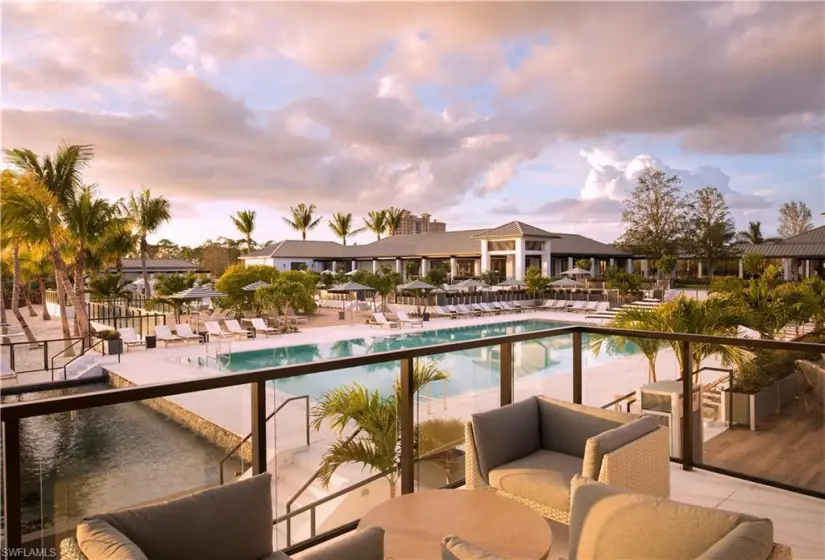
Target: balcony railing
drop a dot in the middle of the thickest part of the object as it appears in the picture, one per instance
(12, 414)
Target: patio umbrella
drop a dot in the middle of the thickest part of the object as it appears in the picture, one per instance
(512, 283)
(471, 283)
(350, 287)
(414, 286)
(255, 285)
(566, 283)
(197, 293)
(576, 271)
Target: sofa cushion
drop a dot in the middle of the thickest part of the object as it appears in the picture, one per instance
(542, 477)
(100, 541)
(455, 548)
(751, 540)
(231, 522)
(506, 434)
(364, 544)
(610, 523)
(566, 427)
(600, 445)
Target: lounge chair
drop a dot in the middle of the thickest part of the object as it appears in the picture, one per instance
(814, 375)
(130, 338)
(489, 309)
(235, 328)
(380, 320)
(454, 309)
(524, 306)
(445, 312)
(164, 334)
(260, 327)
(214, 330)
(554, 304)
(467, 310)
(577, 306)
(185, 332)
(591, 306)
(404, 318)
(505, 305)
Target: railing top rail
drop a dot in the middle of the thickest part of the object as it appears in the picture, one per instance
(17, 343)
(14, 411)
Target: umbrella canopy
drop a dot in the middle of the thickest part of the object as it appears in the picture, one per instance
(470, 283)
(350, 287)
(352, 272)
(255, 285)
(416, 285)
(512, 283)
(566, 283)
(197, 292)
(576, 271)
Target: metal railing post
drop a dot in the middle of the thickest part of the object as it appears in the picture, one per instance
(258, 427)
(12, 492)
(687, 406)
(577, 367)
(407, 419)
(46, 355)
(506, 373)
(11, 356)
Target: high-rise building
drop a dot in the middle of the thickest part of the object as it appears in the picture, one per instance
(411, 224)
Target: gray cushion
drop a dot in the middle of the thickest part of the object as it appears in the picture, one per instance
(506, 434)
(611, 440)
(566, 427)
(100, 541)
(751, 540)
(609, 523)
(455, 548)
(232, 522)
(542, 477)
(364, 544)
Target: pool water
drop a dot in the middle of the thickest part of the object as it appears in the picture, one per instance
(468, 370)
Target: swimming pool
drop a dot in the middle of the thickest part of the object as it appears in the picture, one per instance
(468, 370)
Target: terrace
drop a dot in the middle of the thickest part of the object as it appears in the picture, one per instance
(768, 473)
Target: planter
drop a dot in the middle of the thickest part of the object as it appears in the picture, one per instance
(151, 341)
(114, 346)
(752, 408)
(342, 315)
(425, 316)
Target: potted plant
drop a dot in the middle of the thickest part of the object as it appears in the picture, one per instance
(114, 344)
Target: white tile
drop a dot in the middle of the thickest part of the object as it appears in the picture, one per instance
(702, 488)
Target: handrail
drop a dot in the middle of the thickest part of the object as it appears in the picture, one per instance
(83, 353)
(268, 418)
(82, 340)
(711, 385)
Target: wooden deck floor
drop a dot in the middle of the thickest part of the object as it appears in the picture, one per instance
(789, 447)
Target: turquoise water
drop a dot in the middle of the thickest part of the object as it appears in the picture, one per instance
(468, 370)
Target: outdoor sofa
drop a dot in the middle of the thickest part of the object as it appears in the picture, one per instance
(231, 522)
(530, 451)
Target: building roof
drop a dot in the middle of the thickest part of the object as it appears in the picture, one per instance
(573, 244)
(159, 264)
(514, 229)
(808, 244)
(297, 248)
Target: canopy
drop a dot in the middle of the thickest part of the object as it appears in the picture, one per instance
(198, 292)
(512, 282)
(471, 283)
(352, 272)
(566, 283)
(255, 285)
(416, 285)
(576, 272)
(350, 287)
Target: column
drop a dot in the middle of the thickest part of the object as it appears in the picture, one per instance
(485, 257)
(399, 267)
(510, 266)
(786, 269)
(569, 263)
(628, 265)
(645, 268)
(547, 260)
(375, 266)
(592, 266)
(354, 265)
(453, 268)
(612, 261)
(807, 268)
(477, 267)
(519, 257)
(334, 266)
(699, 269)
(425, 266)
(741, 268)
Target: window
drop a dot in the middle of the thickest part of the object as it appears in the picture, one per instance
(501, 246)
(534, 245)
(297, 265)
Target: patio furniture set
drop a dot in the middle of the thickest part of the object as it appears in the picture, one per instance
(603, 473)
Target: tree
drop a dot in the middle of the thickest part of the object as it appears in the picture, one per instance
(118, 243)
(375, 441)
(15, 295)
(215, 258)
(303, 219)
(148, 214)
(108, 286)
(244, 221)
(40, 266)
(665, 265)
(794, 218)
(584, 264)
(491, 277)
(654, 215)
(236, 276)
(376, 222)
(284, 294)
(639, 319)
(436, 276)
(753, 235)
(710, 228)
(383, 284)
(393, 217)
(169, 284)
(342, 226)
(752, 264)
(535, 281)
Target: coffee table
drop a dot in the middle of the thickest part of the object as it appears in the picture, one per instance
(416, 523)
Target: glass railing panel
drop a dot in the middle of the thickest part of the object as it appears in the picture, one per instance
(543, 366)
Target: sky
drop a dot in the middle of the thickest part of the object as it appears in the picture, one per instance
(478, 113)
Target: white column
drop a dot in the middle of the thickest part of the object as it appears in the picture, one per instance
(453, 267)
(628, 266)
(700, 269)
(477, 267)
(645, 267)
(741, 268)
(786, 269)
(334, 266)
(425, 266)
(518, 270)
(569, 263)
(485, 257)
(612, 261)
(547, 260)
(354, 264)
(592, 266)
(807, 268)
(399, 266)
(375, 266)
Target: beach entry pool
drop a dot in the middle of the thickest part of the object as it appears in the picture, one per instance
(468, 370)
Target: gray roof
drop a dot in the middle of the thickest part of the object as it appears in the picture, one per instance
(422, 244)
(808, 244)
(296, 248)
(573, 244)
(160, 264)
(514, 229)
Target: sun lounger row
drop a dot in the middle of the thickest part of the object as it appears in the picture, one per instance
(564, 305)
(380, 320)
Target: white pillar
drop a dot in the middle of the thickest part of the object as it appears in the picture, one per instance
(592, 266)
(741, 268)
(628, 266)
(786, 269)
(477, 267)
(645, 268)
(375, 266)
(807, 268)
(453, 268)
(334, 266)
(569, 263)
(518, 269)
(699, 271)
(399, 266)
(425, 266)
(354, 264)
(547, 260)
(485, 257)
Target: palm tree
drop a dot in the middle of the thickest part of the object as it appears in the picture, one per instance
(753, 235)
(147, 214)
(341, 225)
(15, 293)
(375, 441)
(118, 243)
(39, 266)
(108, 286)
(303, 219)
(636, 319)
(377, 222)
(393, 217)
(244, 221)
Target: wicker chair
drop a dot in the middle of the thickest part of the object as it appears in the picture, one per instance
(530, 450)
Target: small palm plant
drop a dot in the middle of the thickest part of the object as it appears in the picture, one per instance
(635, 319)
(303, 219)
(342, 226)
(394, 217)
(108, 286)
(244, 222)
(375, 442)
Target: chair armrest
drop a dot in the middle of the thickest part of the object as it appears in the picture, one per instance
(70, 550)
(642, 465)
(596, 447)
(472, 472)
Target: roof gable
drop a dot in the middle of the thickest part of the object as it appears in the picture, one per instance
(514, 229)
(816, 235)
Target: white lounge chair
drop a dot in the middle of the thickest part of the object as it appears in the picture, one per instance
(591, 306)
(578, 306)
(507, 307)
(445, 312)
(404, 318)
(489, 309)
(456, 310)
(380, 320)
(214, 330)
(234, 327)
(130, 338)
(260, 327)
(164, 334)
(185, 332)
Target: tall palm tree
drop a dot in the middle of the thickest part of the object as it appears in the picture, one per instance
(636, 319)
(393, 217)
(376, 222)
(108, 286)
(147, 214)
(303, 219)
(244, 221)
(341, 225)
(118, 243)
(753, 235)
(375, 442)
(39, 266)
(13, 254)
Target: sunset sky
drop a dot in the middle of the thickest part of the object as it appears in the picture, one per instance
(478, 113)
